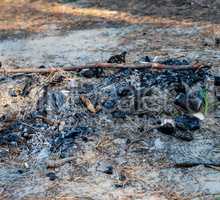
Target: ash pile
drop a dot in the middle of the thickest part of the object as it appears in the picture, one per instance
(174, 110)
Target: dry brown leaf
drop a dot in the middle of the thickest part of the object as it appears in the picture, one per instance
(88, 104)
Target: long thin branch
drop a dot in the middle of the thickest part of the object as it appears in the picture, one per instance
(99, 65)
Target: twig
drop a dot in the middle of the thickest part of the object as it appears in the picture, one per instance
(149, 65)
(58, 163)
(28, 125)
(190, 165)
(48, 121)
(216, 167)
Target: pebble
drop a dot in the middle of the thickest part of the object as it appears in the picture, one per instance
(199, 115)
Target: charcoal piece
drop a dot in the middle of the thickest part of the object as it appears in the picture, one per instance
(217, 87)
(12, 92)
(12, 137)
(119, 114)
(123, 91)
(147, 59)
(217, 92)
(196, 103)
(27, 88)
(180, 87)
(88, 73)
(170, 129)
(109, 104)
(105, 167)
(86, 88)
(181, 101)
(84, 139)
(168, 78)
(217, 42)
(57, 100)
(42, 102)
(56, 143)
(217, 81)
(185, 122)
(189, 102)
(173, 61)
(3, 141)
(122, 177)
(118, 185)
(57, 80)
(183, 135)
(8, 138)
(3, 153)
(125, 72)
(118, 58)
(167, 128)
(79, 131)
(108, 170)
(52, 176)
(20, 171)
(79, 116)
(92, 73)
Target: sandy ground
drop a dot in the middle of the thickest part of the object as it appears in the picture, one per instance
(51, 33)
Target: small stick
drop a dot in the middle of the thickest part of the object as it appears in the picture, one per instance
(58, 163)
(149, 65)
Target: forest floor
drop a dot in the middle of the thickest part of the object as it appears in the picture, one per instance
(114, 155)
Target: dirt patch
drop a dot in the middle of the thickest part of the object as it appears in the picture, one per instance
(24, 17)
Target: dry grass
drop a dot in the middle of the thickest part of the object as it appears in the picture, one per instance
(41, 15)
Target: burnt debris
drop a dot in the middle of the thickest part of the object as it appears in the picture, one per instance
(124, 98)
(185, 122)
(173, 61)
(121, 58)
(92, 73)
